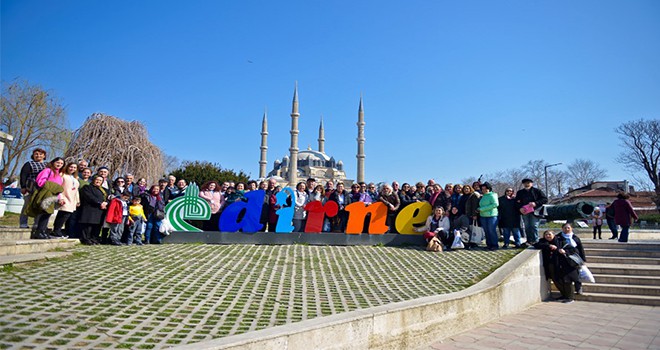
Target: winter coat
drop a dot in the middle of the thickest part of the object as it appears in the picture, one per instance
(460, 223)
(91, 198)
(44, 199)
(430, 225)
(335, 197)
(509, 216)
(392, 199)
(214, 198)
(564, 268)
(472, 204)
(488, 205)
(623, 211)
(115, 212)
(299, 210)
(70, 194)
(524, 197)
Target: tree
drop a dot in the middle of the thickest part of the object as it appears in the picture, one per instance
(202, 171)
(535, 170)
(35, 118)
(640, 140)
(582, 172)
(170, 163)
(122, 146)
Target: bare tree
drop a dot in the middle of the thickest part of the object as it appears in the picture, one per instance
(122, 146)
(640, 140)
(582, 172)
(535, 170)
(170, 163)
(36, 118)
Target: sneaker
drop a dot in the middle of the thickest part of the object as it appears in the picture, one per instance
(579, 291)
(23, 226)
(568, 301)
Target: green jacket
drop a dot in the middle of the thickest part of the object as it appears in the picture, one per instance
(44, 199)
(488, 205)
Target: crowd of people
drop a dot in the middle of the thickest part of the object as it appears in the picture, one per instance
(98, 210)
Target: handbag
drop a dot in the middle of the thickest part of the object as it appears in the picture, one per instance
(528, 208)
(476, 233)
(585, 275)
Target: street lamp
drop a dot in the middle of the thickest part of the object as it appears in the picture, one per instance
(545, 169)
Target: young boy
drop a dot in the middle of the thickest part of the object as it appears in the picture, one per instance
(117, 214)
(135, 218)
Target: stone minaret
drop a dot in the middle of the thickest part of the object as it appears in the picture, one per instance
(321, 137)
(360, 143)
(293, 161)
(264, 146)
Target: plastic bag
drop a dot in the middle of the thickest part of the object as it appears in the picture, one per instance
(458, 243)
(585, 275)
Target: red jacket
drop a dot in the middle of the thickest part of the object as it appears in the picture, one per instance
(115, 212)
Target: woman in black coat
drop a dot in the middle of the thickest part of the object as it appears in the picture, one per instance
(92, 207)
(566, 270)
(509, 218)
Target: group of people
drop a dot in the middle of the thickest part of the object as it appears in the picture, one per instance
(619, 213)
(89, 205)
(122, 211)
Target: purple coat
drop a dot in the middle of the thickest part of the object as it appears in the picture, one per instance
(623, 210)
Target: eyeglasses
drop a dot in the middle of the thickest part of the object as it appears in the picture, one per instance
(120, 181)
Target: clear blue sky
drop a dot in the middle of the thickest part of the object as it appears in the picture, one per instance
(451, 89)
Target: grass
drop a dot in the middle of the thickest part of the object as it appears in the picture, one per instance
(9, 220)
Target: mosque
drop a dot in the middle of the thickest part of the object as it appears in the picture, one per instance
(300, 165)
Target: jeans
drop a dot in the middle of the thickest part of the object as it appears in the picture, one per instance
(531, 228)
(23, 219)
(490, 230)
(507, 235)
(135, 233)
(60, 219)
(116, 231)
(613, 228)
(624, 233)
(152, 233)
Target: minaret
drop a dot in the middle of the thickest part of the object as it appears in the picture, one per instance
(293, 161)
(321, 137)
(360, 143)
(264, 146)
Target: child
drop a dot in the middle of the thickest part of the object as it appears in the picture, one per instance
(117, 214)
(597, 217)
(136, 218)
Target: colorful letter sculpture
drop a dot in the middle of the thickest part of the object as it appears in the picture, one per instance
(285, 213)
(316, 213)
(229, 220)
(188, 207)
(358, 211)
(412, 215)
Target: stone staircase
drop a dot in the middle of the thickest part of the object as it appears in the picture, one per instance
(625, 273)
(17, 247)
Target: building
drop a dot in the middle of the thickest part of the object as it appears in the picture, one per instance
(300, 165)
(602, 192)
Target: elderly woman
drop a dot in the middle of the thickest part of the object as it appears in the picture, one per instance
(93, 203)
(210, 192)
(624, 215)
(299, 213)
(391, 200)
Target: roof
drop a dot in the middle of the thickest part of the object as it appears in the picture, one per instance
(306, 154)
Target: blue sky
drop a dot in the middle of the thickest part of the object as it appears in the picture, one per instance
(451, 89)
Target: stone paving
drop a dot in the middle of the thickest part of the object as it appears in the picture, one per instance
(553, 325)
(106, 297)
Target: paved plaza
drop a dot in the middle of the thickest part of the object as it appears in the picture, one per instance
(553, 325)
(149, 297)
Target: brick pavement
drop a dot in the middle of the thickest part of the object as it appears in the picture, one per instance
(553, 325)
(106, 297)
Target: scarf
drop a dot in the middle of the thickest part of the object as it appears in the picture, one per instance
(569, 238)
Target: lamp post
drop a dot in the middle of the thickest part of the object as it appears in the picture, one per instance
(545, 169)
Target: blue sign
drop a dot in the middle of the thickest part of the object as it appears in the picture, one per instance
(12, 193)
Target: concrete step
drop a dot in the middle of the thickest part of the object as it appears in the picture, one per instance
(622, 253)
(620, 299)
(620, 289)
(28, 258)
(622, 260)
(16, 247)
(628, 270)
(655, 246)
(630, 280)
(14, 234)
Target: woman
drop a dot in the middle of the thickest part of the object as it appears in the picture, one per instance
(460, 224)
(405, 196)
(456, 195)
(41, 201)
(391, 200)
(154, 207)
(488, 212)
(342, 198)
(597, 218)
(85, 176)
(216, 200)
(624, 215)
(319, 195)
(566, 269)
(92, 207)
(299, 213)
(509, 218)
(438, 225)
(119, 187)
(548, 248)
(71, 199)
(141, 187)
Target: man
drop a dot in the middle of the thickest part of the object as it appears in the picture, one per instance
(27, 180)
(268, 206)
(224, 187)
(162, 187)
(536, 199)
(395, 187)
(181, 187)
(130, 187)
(104, 172)
(371, 189)
(171, 190)
(311, 184)
(329, 188)
(82, 164)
